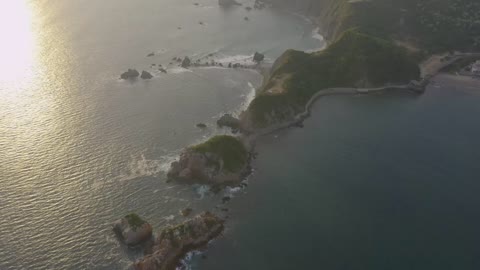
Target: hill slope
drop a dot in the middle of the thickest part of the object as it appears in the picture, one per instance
(355, 60)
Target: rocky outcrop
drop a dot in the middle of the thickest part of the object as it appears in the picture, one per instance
(186, 63)
(227, 120)
(258, 57)
(161, 69)
(132, 229)
(175, 242)
(220, 161)
(130, 74)
(146, 75)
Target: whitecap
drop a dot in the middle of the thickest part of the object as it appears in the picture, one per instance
(178, 70)
(169, 218)
(202, 190)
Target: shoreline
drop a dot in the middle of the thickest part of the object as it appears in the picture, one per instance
(249, 137)
(430, 68)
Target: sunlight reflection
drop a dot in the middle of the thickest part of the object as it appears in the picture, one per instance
(17, 45)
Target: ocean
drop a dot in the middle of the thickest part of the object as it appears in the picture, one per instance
(381, 181)
(80, 148)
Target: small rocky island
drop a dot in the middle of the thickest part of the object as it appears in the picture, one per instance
(175, 242)
(130, 74)
(220, 161)
(132, 229)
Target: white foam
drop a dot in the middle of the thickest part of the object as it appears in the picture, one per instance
(316, 34)
(249, 97)
(202, 190)
(236, 59)
(186, 262)
(178, 70)
(170, 218)
(141, 166)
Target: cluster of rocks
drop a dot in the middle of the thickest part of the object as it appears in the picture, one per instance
(131, 74)
(186, 62)
(175, 242)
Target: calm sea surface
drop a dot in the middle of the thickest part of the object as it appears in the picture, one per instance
(388, 181)
(79, 148)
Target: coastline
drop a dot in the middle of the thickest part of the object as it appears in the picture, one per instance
(264, 71)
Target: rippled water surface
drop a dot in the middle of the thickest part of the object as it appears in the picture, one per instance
(79, 148)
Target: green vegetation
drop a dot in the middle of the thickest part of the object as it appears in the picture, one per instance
(228, 148)
(134, 221)
(433, 25)
(354, 60)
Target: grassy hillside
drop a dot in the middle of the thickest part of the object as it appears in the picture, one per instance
(433, 25)
(354, 60)
(228, 148)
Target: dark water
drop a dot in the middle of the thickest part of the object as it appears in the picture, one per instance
(79, 148)
(388, 181)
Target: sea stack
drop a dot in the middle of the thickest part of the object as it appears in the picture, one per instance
(130, 74)
(146, 75)
(258, 57)
(132, 229)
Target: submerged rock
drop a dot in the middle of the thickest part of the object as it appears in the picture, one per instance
(146, 75)
(130, 74)
(201, 125)
(151, 54)
(258, 57)
(132, 229)
(175, 242)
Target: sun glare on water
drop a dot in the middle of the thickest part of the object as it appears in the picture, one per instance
(17, 40)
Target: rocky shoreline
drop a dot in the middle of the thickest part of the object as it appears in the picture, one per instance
(174, 242)
(223, 161)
